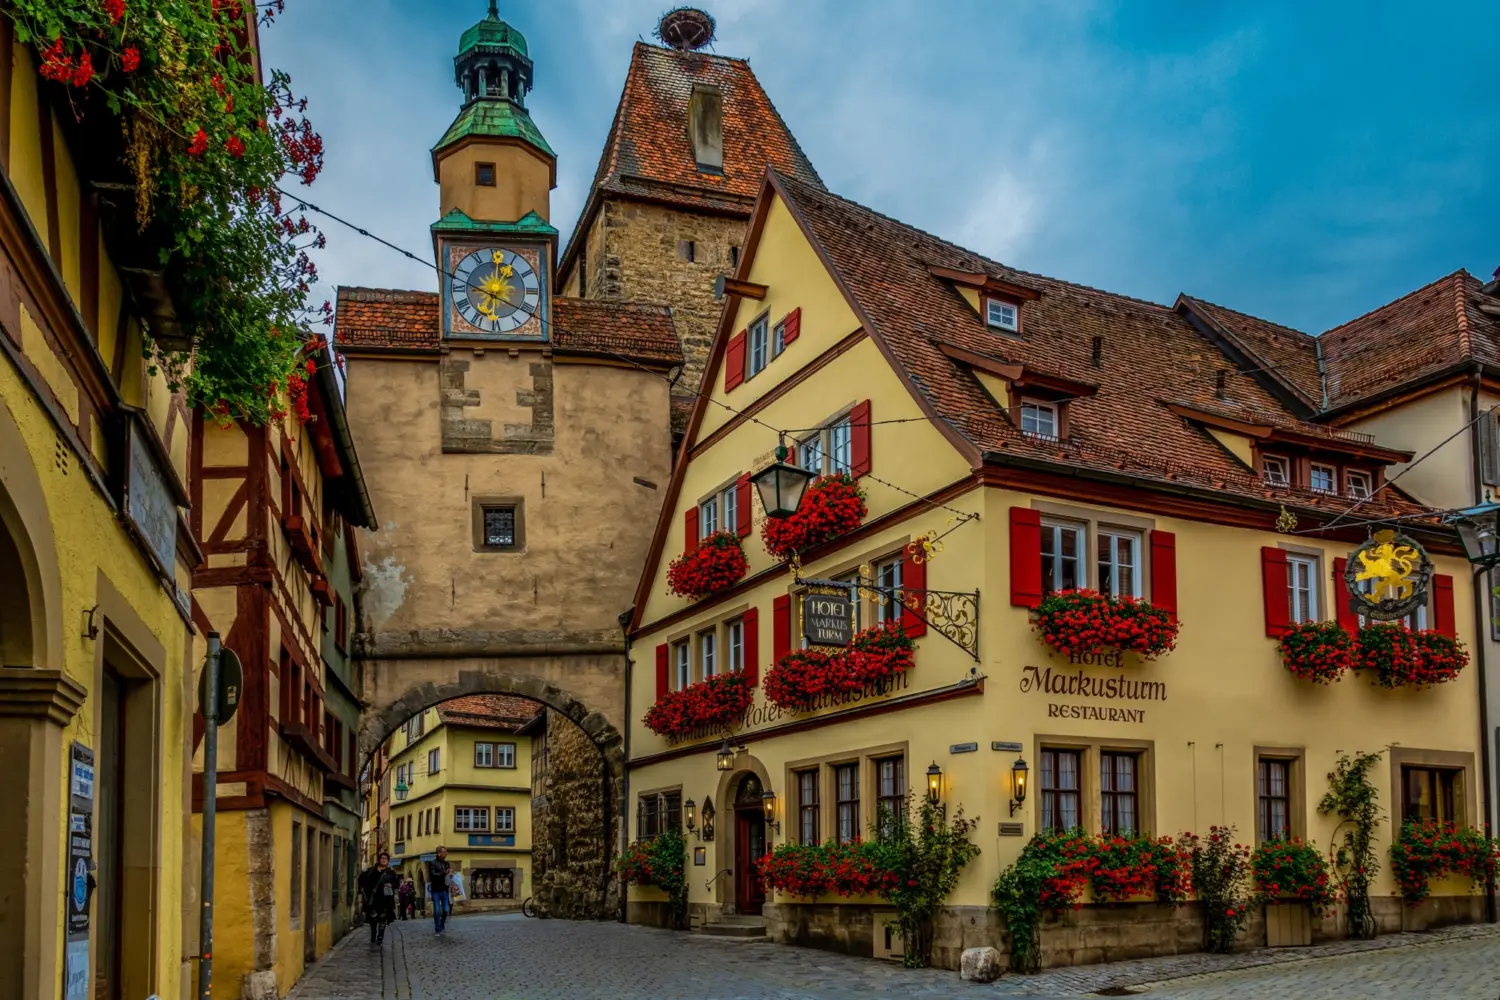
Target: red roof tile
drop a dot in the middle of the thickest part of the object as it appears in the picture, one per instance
(488, 711)
(408, 322)
(1288, 355)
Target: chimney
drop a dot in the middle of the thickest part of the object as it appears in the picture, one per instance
(706, 127)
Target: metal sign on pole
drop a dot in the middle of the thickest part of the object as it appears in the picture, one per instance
(211, 700)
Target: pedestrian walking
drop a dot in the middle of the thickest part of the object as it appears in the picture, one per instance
(438, 874)
(406, 900)
(378, 886)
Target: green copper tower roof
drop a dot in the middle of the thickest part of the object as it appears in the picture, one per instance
(530, 224)
(492, 32)
(494, 72)
(494, 120)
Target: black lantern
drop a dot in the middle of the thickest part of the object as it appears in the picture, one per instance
(708, 820)
(781, 486)
(768, 803)
(1018, 775)
(690, 815)
(934, 783)
(725, 758)
(1479, 530)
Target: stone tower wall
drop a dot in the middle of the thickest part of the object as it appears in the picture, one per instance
(570, 858)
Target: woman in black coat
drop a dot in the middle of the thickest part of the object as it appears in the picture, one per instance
(379, 885)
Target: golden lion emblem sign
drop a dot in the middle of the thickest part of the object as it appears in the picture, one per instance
(1387, 576)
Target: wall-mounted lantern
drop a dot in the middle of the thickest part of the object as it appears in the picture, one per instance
(708, 821)
(401, 791)
(934, 783)
(690, 815)
(768, 803)
(1479, 530)
(781, 486)
(724, 761)
(1018, 775)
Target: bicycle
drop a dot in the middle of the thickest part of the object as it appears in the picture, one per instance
(527, 910)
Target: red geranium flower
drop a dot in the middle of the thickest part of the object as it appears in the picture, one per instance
(130, 59)
(199, 144)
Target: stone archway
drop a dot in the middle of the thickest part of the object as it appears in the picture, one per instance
(30, 612)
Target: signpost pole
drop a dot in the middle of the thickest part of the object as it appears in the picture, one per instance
(210, 794)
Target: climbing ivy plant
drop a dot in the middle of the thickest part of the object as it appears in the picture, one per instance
(1353, 798)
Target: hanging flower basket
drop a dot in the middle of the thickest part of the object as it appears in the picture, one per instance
(831, 506)
(716, 703)
(1086, 621)
(1397, 656)
(1318, 651)
(717, 563)
(803, 676)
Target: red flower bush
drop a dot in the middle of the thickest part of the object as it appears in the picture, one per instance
(1086, 621)
(1397, 656)
(803, 676)
(1139, 866)
(1426, 849)
(717, 563)
(1289, 870)
(831, 506)
(715, 703)
(1318, 651)
(810, 870)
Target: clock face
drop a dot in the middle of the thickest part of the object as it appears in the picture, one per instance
(495, 291)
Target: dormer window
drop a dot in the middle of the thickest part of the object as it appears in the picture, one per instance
(1002, 315)
(1323, 478)
(1359, 486)
(1276, 470)
(1038, 418)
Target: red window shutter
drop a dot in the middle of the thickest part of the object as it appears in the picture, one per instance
(859, 438)
(1442, 605)
(690, 529)
(1341, 611)
(793, 326)
(1164, 571)
(1273, 574)
(734, 361)
(661, 672)
(752, 646)
(913, 583)
(781, 627)
(742, 505)
(1025, 557)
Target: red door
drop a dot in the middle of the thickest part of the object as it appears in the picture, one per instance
(749, 847)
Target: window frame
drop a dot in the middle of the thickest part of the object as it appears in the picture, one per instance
(809, 810)
(1266, 798)
(479, 180)
(682, 664)
(502, 751)
(1332, 471)
(889, 573)
(1445, 786)
(1369, 484)
(517, 506)
(757, 334)
(463, 819)
(486, 764)
(1137, 547)
(505, 819)
(707, 642)
(719, 511)
(847, 806)
(1051, 531)
(1267, 462)
(824, 441)
(1039, 406)
(734, 645)
(778, 338)
(434, 757)
(895, 800)
(1110, 797)
(1313, 564)
(998, 323)
(1047, 814)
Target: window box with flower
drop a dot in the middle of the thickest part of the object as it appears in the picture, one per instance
(803, 676)
(831, 506)
(1320, 652)
(715, 564)
(715, 703)
(1429, 849)
(1086, 621)
(1397, 656)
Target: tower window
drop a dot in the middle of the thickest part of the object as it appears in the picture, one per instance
(685, 250)
(484, 174)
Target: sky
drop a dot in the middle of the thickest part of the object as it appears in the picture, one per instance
(1303, 161)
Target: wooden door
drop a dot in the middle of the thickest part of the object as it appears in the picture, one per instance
(749, 846)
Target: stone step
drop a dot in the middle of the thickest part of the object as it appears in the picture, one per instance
(734, 930)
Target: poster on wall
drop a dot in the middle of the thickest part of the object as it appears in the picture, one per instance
(79, 877)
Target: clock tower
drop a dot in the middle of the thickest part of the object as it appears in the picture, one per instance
(495, 247)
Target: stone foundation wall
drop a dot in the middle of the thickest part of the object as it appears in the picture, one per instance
(570, 853)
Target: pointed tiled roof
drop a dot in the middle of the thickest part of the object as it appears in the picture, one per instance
(1288, 355)
(488, 711)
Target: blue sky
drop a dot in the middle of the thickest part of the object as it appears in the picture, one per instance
(1305, 162)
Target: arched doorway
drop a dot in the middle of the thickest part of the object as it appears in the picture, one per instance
(749, 844)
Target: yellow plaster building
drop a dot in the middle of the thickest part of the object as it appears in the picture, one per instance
(96, 669)
(462, 779)
(1047, 436)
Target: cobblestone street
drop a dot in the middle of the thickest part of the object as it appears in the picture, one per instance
(512, 958)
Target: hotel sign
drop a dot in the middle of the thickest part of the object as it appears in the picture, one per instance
(827, 620)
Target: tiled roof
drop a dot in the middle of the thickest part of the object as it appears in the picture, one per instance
(1151, 357)
(408, 322)
(488, 711)
(649, 155)
(1287, 354)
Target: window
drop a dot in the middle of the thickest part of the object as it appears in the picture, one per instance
(888, 579)
(499, 523)
(830, 450)
(1002, 315)
(757, 352)
(708, 517)
(484, 174)
(778, 339)
(734, 256)
(1118, 793)
(1428, 793)
(686, 251)
(434, 760)
(1324, 478)
(719, 512)
(499, 527)
(890, 793)
(1039, 419)
(505, 755)
(1274, 785)
(484, 755)
(471, 819)
(1060, 794)
(658, 812)
(505, 819)
(682, 659)
(807, 806)
(1359, 484)
(1274, 470)
(1119, 563)
(734, 634)
(708, 653)
(1062, 556)
(1302, 587)
(846, 798)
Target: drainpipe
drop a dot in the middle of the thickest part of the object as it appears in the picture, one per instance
(1482, 628)
(624, 804)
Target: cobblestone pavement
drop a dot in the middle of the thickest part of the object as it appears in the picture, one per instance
(493, 957)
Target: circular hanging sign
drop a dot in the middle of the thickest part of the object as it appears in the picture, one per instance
(1387, 576)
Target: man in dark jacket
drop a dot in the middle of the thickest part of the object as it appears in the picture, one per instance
(438, 871)
(378, 885)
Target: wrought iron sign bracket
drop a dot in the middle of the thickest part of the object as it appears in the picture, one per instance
(953, 614)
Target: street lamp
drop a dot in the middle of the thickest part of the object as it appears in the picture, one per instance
(934, 783)
(725, 758)
(401, 791)
(1018, 775)
(781, 486)
(1479, 530)
(768, 803)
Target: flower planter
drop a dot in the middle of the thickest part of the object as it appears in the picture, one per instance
(1396, 656)
(1288, 925)
(716, 703)
(1320, 652)
(1427, 855)
(1086, 621)
(831, 506)
(716, 564)
(802, 677)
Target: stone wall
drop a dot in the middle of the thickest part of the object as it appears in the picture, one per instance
(570, 852)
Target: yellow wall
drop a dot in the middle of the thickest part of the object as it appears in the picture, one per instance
(1444, 478)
